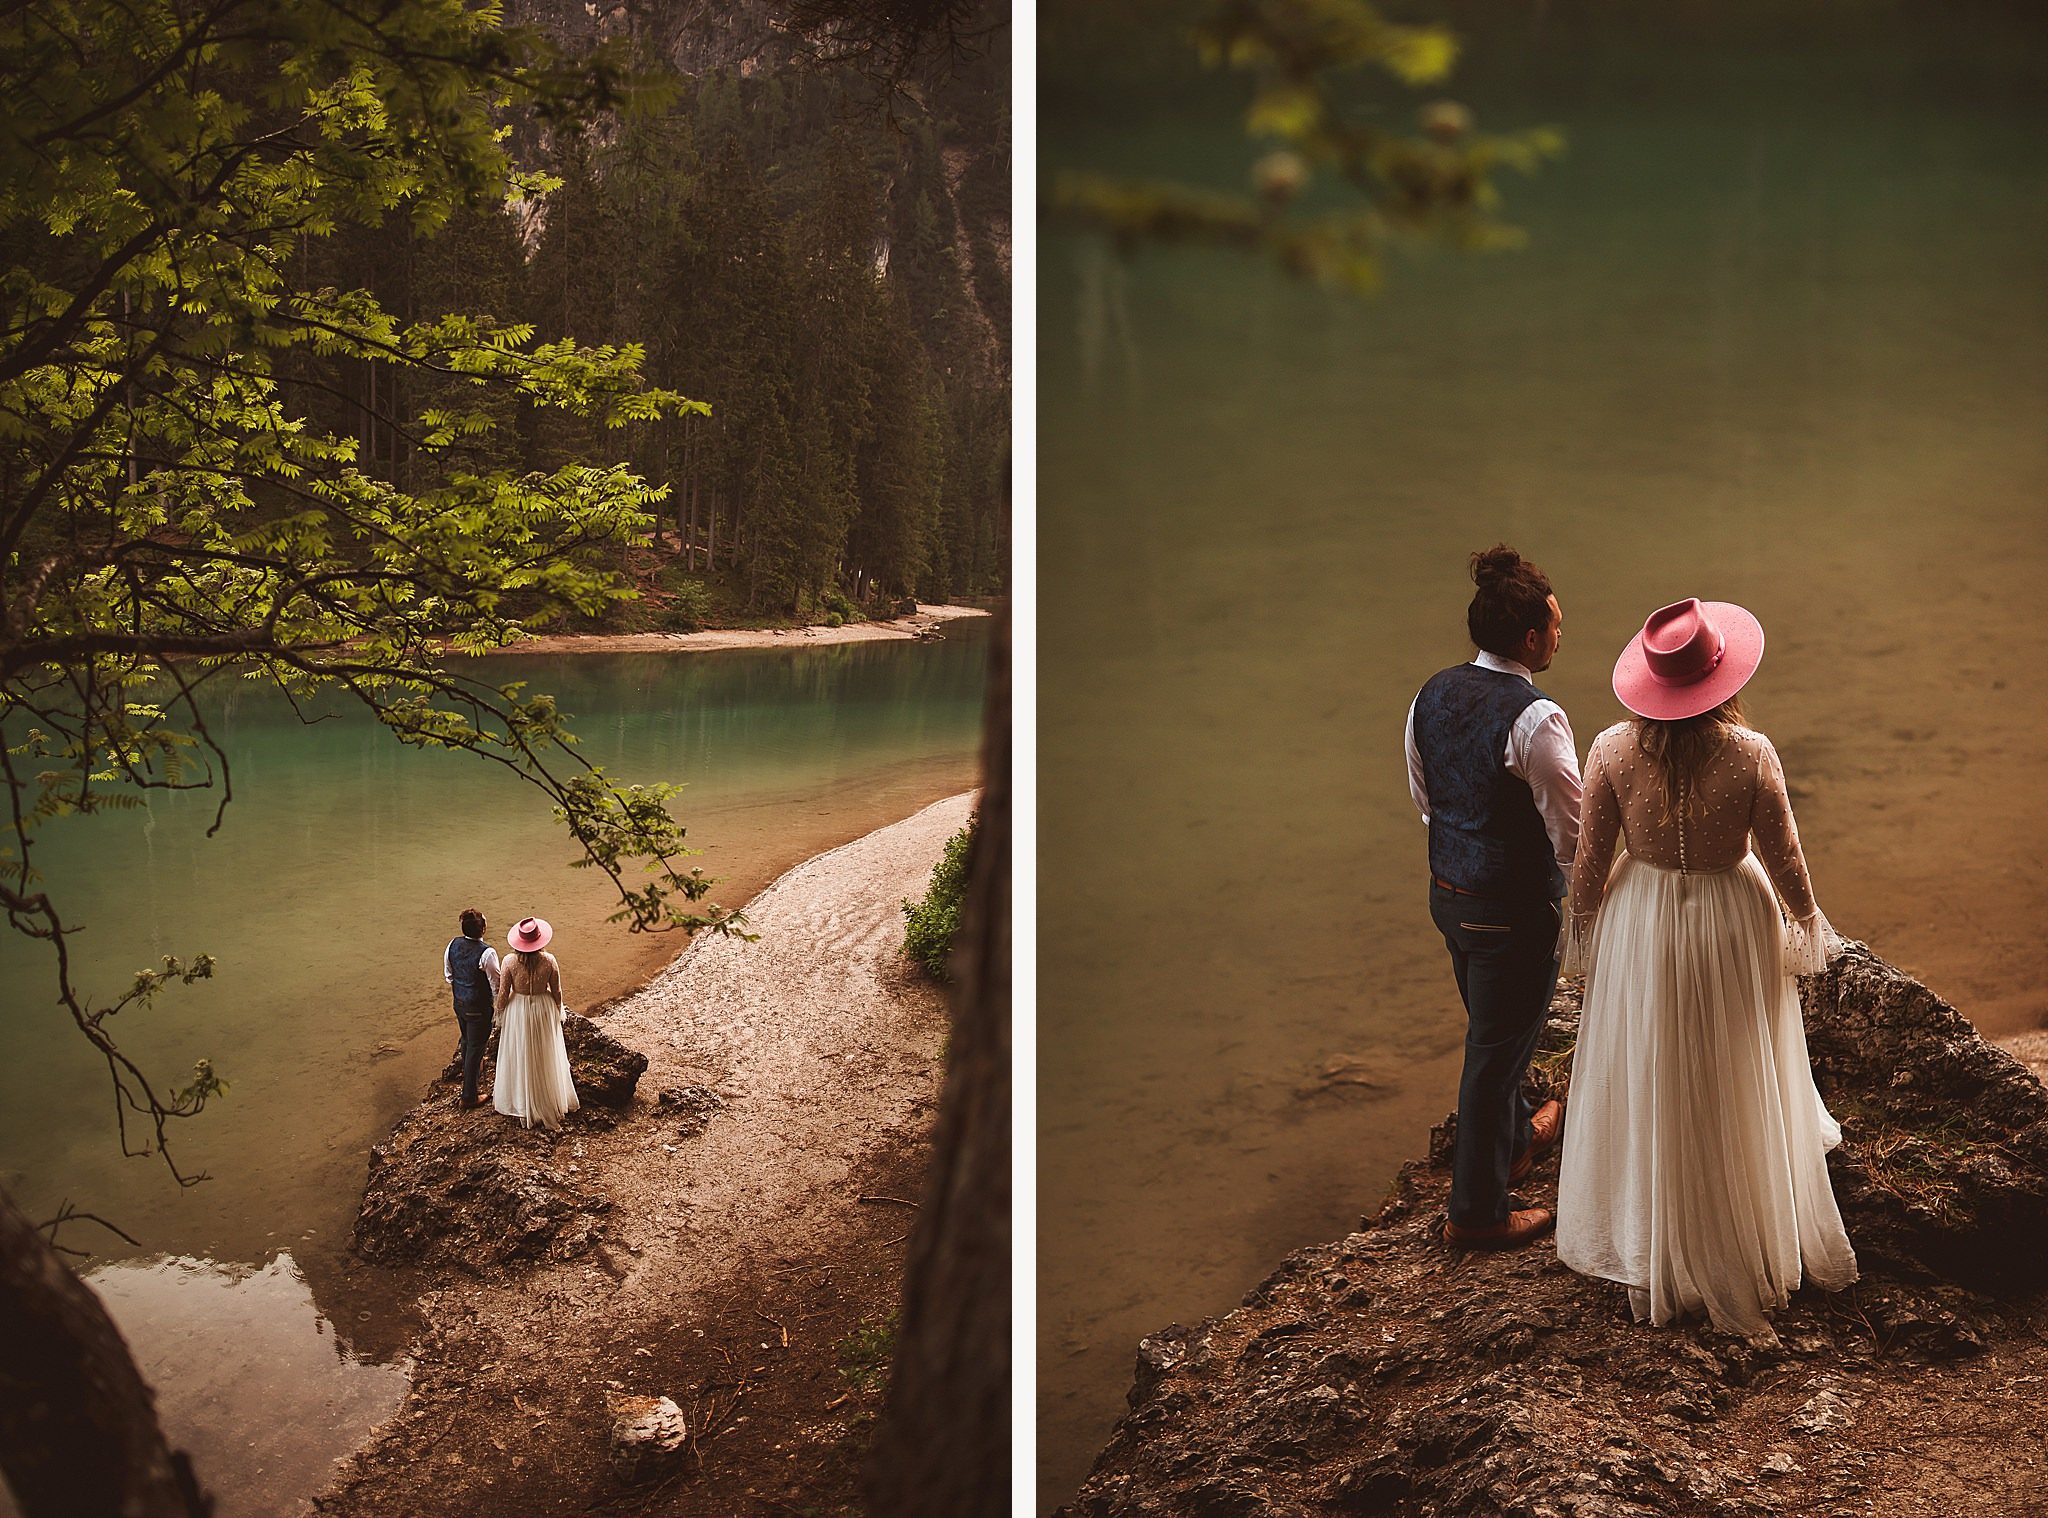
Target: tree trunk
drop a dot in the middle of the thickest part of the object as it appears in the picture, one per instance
(694, 493)
(753, 571)
(687, 500)
(78, 1430)
(943, 1450)
(696, 513)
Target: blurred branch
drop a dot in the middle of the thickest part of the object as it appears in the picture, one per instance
(1435, 185)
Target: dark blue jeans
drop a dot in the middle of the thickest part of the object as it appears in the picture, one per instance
(1505, 954)
(476, 1033)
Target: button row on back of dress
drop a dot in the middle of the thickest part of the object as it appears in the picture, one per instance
(1684, 883)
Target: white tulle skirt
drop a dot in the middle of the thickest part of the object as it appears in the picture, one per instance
(1694, 1169)
(533, 1082)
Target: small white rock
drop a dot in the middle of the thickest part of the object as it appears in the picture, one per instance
(648, 1435)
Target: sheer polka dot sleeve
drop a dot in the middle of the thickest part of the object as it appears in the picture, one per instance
(1810, 942)
(1599, 830)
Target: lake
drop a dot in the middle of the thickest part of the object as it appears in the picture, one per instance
(327, 898)
(1780, 337)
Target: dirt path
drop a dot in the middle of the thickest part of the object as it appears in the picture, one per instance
(919, 625)
(747, 1271)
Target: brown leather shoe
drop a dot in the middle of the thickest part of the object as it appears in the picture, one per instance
(1546, 1127)
(1522, 1227)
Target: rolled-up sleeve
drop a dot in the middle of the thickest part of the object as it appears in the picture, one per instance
(1542, 754)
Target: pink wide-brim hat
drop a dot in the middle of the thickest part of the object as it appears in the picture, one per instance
(530, 933)
(1690, 657)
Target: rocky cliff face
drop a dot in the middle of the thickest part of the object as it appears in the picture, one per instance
(1384, 1373)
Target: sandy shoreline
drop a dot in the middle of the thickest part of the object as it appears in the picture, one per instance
(825, 1050)
(918, 625)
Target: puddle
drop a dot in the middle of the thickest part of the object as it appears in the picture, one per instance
(250, 1377)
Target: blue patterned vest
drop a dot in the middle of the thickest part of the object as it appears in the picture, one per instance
(472, 986)
(1485, 834)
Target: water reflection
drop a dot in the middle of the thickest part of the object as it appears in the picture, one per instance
(250, 1378)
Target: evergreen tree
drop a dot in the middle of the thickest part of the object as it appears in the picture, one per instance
(566, 288)
(740, 233)
(474, 264)
(903, 467)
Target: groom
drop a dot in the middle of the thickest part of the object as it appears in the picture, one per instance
(471, 969)
(1493, 770)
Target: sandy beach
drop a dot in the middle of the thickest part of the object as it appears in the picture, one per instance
(735, 1263)
(918, 625)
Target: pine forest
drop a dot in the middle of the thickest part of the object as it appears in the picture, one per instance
(814, 248)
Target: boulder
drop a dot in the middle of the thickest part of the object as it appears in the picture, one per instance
(606, 1071)
(471, 1189)
(1945, 1136)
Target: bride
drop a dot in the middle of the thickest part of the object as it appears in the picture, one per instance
(1694, 1169)
(533, 1082)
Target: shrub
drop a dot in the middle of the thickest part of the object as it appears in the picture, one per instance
(866, 1353)
(633, 616)
(833, 619)
(928, 936)
(688, 606)
(840, 605)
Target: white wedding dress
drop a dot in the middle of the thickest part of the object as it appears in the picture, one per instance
(533, 1082)
(1694, 1169)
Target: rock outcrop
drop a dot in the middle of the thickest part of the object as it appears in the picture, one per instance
(477, 1191)
(606, 1070)
(1387, 1374)
(1943, 1169)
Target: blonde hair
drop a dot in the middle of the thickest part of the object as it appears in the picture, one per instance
(1680, 750)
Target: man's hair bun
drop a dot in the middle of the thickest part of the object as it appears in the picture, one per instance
(1494, 564)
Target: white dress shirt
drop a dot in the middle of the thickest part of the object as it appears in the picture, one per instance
(1540, 752)
(488, 964)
